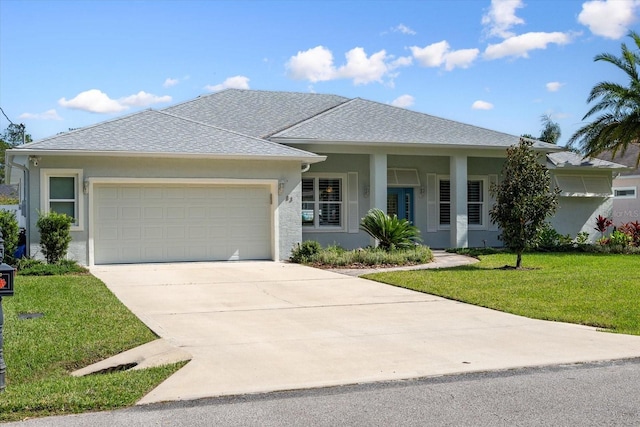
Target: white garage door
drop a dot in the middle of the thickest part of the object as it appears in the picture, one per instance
(164, 223)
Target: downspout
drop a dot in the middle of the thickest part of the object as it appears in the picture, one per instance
(25, 201)
(305, 167)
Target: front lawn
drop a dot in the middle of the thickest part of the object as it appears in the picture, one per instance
(601, 290)
(82, 322)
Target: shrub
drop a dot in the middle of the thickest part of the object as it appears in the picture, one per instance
(390, 232)
(36, 267)
(582, 238)
(371, 257)
(55, 235)
(632, 229)
(9, 227)
(304, 251)
(548, 238)
(602, 224)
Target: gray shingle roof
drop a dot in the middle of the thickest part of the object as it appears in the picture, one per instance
(153, 131)
(571, 160)
(238, 122)
(363, 121)
(254, 112)
(629, 158)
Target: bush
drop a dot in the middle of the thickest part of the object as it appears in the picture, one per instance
(390, 232)
(336, 256)
(303, 252)
(55, 235)
(9, 227)
(36, 267)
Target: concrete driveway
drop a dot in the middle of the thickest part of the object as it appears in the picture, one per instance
(265, 326)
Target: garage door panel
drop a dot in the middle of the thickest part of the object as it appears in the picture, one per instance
(162, 223)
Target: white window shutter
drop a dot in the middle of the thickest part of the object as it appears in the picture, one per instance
(352, 205)
(493, 180)
(432, 203)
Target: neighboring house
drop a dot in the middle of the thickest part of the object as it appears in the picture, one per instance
(626, 202)
(245, 174)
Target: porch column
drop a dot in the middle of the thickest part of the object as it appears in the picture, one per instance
(378, 181)
(459, 236)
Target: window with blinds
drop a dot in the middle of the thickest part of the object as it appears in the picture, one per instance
(322, 202)
(475, 202)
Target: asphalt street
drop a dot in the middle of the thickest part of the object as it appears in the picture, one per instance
(593, 394)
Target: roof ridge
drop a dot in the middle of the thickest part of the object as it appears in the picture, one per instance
(262, 140)
(314, 117)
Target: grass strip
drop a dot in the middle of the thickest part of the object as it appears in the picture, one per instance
(82, 322)
(601, 290)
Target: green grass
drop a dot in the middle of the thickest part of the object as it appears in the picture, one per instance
(83, 323)
(601, 290)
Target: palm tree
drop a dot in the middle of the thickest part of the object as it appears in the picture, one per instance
(550, 130)
(618, 124)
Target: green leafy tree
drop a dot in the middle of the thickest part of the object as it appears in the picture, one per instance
(524, 198)
(616, 109)
(550, 130)
(13, 135)
(390, 231)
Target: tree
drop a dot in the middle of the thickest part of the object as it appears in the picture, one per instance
(618, 124)
(13, 135)
(550, 130)
(524, 198)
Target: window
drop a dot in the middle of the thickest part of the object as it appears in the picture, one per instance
(475, 202)
(322, 202)
(624, 192)
(61, 193)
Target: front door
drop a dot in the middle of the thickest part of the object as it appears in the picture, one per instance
(400, 203)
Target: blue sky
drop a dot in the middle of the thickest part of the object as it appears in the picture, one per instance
(495, 64)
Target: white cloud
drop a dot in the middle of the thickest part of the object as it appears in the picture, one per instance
(403, 101)
(501, 17)
(170, 82)
(93, 100)
(51, 114)
(460, 58)
(437, 54)
(403, 61)
(404, 30)
(554, 86)
(143, 99)
(315, 65)
(608, 18)
(363, 69)
(519, 46)
(431, 55)
(482, 105)
(235, 82)
(96, 101)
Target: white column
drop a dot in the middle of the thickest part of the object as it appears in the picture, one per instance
(459, 225)
(378, 181)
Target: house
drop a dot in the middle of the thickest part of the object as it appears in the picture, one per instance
(626, 204)
(246, 174)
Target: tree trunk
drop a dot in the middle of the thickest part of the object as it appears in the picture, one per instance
(519, 260)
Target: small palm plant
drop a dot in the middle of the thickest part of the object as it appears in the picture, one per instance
(390, 231)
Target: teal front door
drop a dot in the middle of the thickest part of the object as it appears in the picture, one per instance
(400, 202)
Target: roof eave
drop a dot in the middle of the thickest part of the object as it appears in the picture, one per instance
(310, 141)
(310, 159)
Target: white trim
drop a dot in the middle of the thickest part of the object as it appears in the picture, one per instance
(344, 216)
(632, 196)
(394, 182)
(77, 174)
(271, 183)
